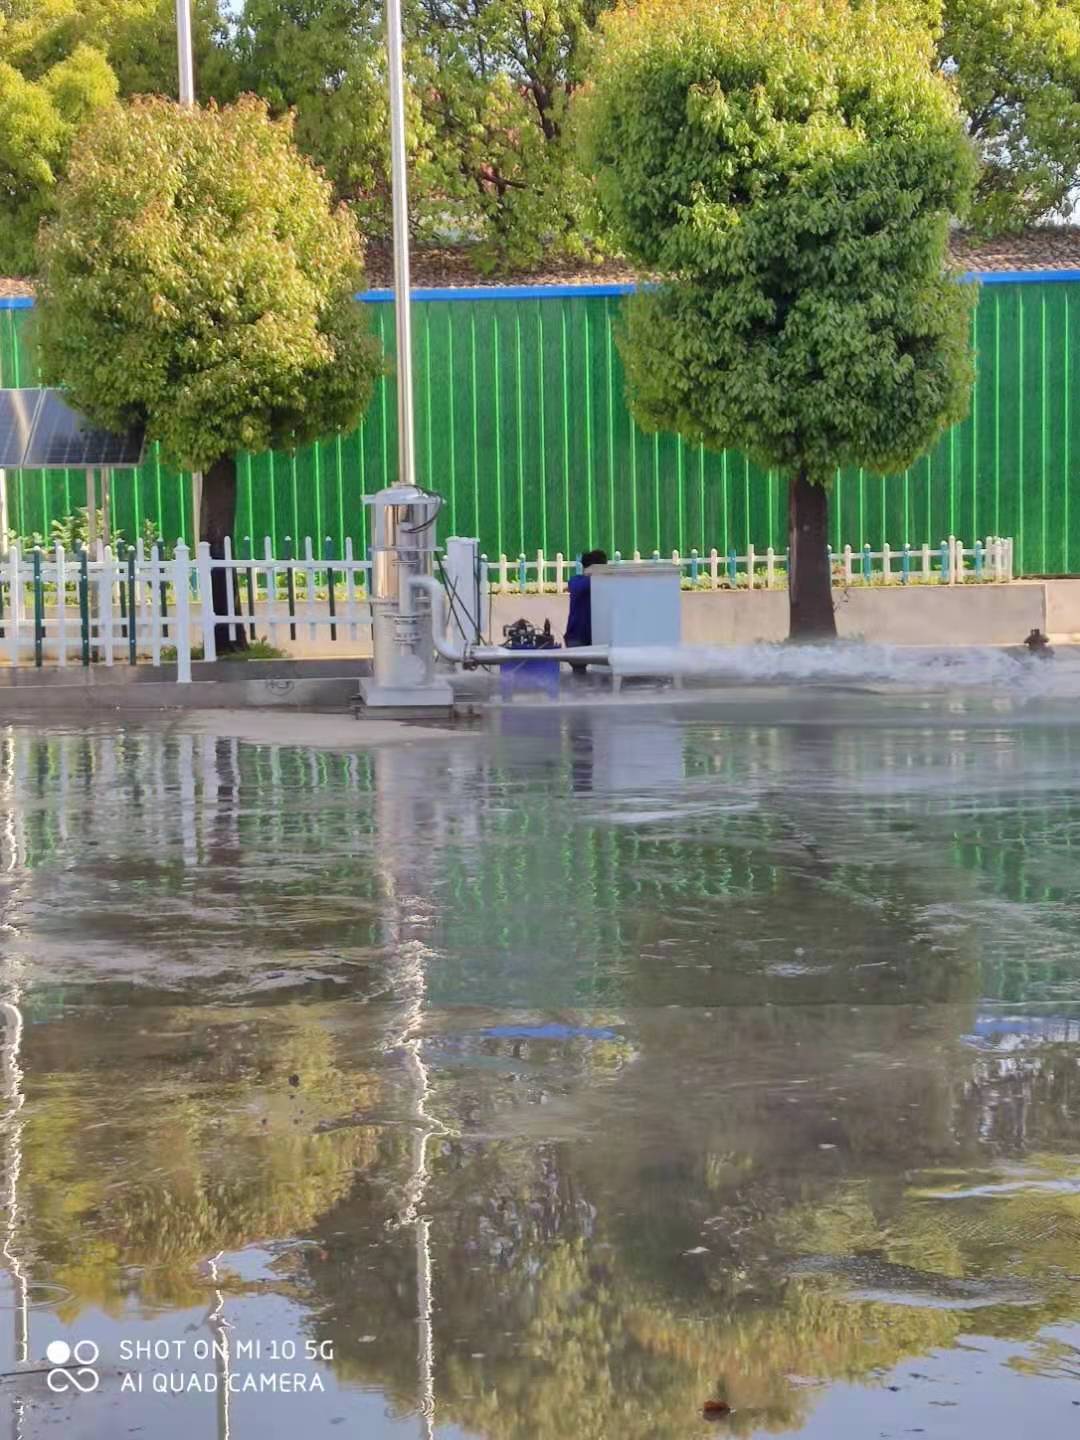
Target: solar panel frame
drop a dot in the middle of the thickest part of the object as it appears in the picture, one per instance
(62, 439)
(18, 410)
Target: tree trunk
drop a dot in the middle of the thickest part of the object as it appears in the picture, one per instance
(810, 599)
(217, 517)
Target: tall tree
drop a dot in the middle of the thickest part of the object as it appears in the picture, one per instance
(790, 170)
(196, 280)
(1017, 69)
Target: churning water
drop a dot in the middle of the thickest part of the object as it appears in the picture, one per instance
(551, 1080)
(1011, 672)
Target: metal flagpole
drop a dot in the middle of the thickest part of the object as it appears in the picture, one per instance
(402, 299)
(186, 60)
(184, 52)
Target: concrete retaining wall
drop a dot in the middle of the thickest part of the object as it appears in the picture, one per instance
(915, 615)
(1063, 609)
(255, 684)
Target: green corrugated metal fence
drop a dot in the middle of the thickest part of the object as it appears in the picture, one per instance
(523, 426)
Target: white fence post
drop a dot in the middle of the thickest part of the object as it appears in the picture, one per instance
(560, 573)
(350, 589)
(886, 561)
(106, 580)
(205, 584)
(15, 604)
(714, 568)
(270, 571)
(926, 568)
(229, 571)
(770, 567)
(309, 588)
(847, 564)
(152, 592)
(61, 603)
(751, 561)
(182, 618)
(955, 558)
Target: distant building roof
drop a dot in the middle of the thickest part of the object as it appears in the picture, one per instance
(1049, 247)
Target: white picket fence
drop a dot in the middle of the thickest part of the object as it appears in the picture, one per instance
(111, 607)
(950, 562)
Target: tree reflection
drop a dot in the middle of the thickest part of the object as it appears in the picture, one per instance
(772, 1076)
(203, 1135)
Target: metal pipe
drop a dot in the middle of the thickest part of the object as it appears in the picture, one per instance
(461, 654)
(184, 52)
(400, 197)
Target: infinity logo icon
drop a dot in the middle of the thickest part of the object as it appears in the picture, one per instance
(83, 1378)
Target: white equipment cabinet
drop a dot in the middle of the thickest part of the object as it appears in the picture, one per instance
(636, 602)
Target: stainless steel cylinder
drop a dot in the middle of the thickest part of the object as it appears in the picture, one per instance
(403, 546)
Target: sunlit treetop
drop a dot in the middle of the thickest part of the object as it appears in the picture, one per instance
(198, 279)
(790, 168)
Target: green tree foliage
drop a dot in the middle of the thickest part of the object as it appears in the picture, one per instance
(489, 90)
(137, 36)
(325, 59)
(1017, 69)
(495, 80)
(38, 121)
(790, 170)
(60, 61)
(197, 281)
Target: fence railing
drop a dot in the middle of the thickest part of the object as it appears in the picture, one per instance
(141, 602)
(949, 563)
(152, 603)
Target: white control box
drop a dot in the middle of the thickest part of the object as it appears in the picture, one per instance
(636, 602)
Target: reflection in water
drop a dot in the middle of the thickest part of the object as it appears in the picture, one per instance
(11, 1080)
(219, 1328)
(407, 922)
(548, 1082)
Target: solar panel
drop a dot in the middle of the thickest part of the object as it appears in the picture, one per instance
(62, 439)
(17, 410)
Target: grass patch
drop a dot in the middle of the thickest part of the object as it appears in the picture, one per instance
(259, 649)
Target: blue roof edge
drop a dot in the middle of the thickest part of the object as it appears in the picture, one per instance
(566, 292)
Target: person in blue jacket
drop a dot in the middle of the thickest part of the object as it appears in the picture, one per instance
(579, 621)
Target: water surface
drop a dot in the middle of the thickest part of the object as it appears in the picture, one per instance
(549, 1081)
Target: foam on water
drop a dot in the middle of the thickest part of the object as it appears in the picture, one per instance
(853, 663)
